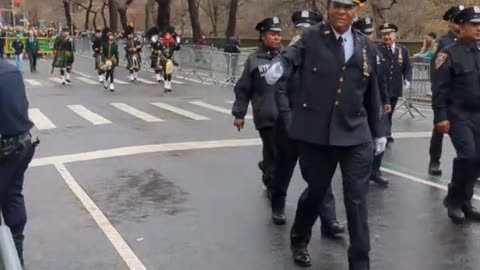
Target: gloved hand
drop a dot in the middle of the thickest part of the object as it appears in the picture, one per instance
(407, 84)
(380, 145)
(274, 72)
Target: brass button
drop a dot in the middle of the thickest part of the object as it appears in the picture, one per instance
(339, 91)
(337, 103)
(304, 105)
(341, 79)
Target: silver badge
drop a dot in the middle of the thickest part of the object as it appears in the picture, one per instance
(276, 20)
(367, 20)
(477, 9)
(305, 14)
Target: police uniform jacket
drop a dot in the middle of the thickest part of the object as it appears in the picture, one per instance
(335, 103)
(252, 87)
(443, 42)
(398, 66)
(97, 45)
(456, 80)
(380, 69)
(14, 119)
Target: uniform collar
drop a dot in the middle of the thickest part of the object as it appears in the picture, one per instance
(346, 36)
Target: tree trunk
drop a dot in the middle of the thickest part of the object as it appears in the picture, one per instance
(163, 14)
(112, 12)
(87, 15)
(232, 19)
(194, 18)
(68, 14)
(94, 21)
(149, 7)
(104, 18)
(123, 17)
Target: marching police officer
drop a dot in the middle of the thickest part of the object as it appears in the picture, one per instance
(456, 106)
(287, 151)
(436, 141)
(16, 151)
(365, 25)
(336, 116)
(399, 73)
(251, 87)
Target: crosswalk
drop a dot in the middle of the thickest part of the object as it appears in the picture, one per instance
(120, 112)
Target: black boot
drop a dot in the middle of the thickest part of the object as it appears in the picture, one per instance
(456, 190)
(278, 216)
(379, 179)
(434, 168)
(301, 256)
(471, 212)
(332, 230)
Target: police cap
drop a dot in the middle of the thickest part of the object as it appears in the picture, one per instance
(364, 25)
(306, 18)
(468, 15)
(349, 2)
(388, 28)
(269, 24)
(452, 12)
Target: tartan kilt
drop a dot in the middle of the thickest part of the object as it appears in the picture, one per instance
(64, 59)
(98, 61)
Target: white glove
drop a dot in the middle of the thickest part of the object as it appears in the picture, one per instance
(407, 84)
(380, 145)
(274, 73)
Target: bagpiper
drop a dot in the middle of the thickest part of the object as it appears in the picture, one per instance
(109, 60)
(64, 55)
(169, 46)
(97, 41)
(156, 47)
(133, 48)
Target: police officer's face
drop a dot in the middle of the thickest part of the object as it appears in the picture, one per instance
(389, 38)
(470, 32)
(341, 16)
(272, 39)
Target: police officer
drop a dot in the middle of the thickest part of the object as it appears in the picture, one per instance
(399, 73)
(287, 149)
(16, 151)
(456, 106)
(365, 26)
(335, 117)
(436, 141)
(251, 87)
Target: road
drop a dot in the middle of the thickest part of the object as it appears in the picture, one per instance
(139, 179)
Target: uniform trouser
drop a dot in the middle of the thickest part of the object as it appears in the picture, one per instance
(377, 163)
(268, 154)
(318, 164)
(98, 63)
(436, 145)
(110, 75)
(465, 136)
(32, 57)
(285, 161)
(393, 103)
(19, 61)
(12, 203)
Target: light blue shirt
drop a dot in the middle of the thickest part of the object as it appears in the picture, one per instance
(348, 42)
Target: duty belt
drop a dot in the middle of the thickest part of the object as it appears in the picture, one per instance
(11, 145)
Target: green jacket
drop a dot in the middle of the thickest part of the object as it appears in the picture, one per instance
(109, 51)
(32, 47)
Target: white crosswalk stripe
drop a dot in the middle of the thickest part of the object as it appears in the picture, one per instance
(33, 82)
(87, 80)
(215, 108)
(173, 81)
(146, 81)
(88, 115)
(231, 102)
(54, 79)
(40, 120)
(117, 81)
(82, 74)
(179, 111)
(137, 113)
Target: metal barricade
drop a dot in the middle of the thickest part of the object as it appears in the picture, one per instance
(8, 253)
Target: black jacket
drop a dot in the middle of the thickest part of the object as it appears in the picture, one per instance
(398, 69)
(335, 103)
(456, 80)
(18, 46)
(97, 45)
(252, 87)
(231, 47)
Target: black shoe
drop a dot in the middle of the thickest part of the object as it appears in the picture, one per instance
(301, 257)
(456, 214)
(278, 216)
(390, 140)
(434, 169)
(333, 230)
(378, 179)
(471, 213)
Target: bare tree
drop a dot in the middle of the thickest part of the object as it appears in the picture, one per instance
(88, 9)
(122, 11)
(214, 9)
(193, 6)
(163, 14)
(113, 15)
(149, 11)
(68, 13)
(104, 18)
(232, 19)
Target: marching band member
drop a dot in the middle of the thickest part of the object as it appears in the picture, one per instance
(97, 41)
(133, 49)
(169, 46)
(64, 57)
(109, 60)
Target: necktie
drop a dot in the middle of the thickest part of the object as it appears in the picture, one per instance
(341, 49)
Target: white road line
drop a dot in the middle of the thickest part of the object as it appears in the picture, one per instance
(89, 115)
(173, 81)
(232, 101)
(87, 80)
(41, 121)
(146, 81)
(192, 80)
(412, 135)
(179, 111)
(33, 82)
(54, 79)
(119, 81)
(137, 113)
(108, 229)
(82, 74)
(215, 108)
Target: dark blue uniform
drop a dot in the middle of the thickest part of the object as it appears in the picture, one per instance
(399, 70)
(336, 113)
(436, 141)
(456, 98)
(251, 87)
(16, 150)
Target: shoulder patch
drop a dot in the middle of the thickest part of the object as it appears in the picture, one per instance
(434, 47)
(295, 39)
(440, 59)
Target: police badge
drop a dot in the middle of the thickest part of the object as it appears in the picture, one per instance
(440, 59)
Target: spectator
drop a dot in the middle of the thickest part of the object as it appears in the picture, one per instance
(2, 43)
(427, 49)
(232, 49)
(18, 47)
